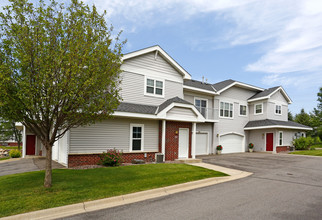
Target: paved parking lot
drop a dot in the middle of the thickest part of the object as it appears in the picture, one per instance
(23, 165)
(282, 187)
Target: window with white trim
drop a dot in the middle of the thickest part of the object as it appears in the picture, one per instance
(154, 87)
(280, 138)
(137, 137)
(278, 109)
(201, 105)
(242, 110)
(226, 110)
(258, 109)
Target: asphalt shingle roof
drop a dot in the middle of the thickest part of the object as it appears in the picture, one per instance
(136, 108)
(264, 93)
(172, 100)
(271, 122)
(199, 85)
(220, 85)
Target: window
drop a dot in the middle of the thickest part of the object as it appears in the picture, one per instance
(280, 138)
(278, 109)
(154, 87)
(137, 137)
(242, 110)
(258, 109)
(201, 105)
(226, 109)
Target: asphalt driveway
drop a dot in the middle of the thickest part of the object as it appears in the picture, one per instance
(24, 165)
(282, 187)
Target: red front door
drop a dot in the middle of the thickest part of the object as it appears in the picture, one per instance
(269, 142)
(31, 144)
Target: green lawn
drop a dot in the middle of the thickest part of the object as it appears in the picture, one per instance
(9, 147)
(309, 152)
(24, 192)
(4, 158)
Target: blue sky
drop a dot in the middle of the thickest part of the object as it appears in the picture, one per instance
(261, 42)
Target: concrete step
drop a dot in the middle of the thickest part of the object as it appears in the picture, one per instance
(189, 160)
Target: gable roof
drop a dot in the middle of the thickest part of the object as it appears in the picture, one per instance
(270, 123)
(226, 84)
(198, 85)
(267, 93)
(170, 101)
(159, 51)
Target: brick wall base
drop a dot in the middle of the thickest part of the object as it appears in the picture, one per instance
(93, 159)
(172, 138)
(282, 149)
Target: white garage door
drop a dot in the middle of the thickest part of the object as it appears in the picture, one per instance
(201, 144)
(231, 143)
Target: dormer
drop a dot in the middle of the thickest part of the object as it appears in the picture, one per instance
(271, 103)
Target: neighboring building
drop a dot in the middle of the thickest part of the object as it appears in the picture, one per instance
(165, 111)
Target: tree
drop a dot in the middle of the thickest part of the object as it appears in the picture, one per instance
(8, 131)
(59, 68)
(290, 116)
(317, 115)
(303, 118)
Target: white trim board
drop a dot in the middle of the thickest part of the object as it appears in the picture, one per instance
(277, 126)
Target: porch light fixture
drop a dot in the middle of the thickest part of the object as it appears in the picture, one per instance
(176, 132)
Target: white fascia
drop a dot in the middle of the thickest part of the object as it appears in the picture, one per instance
(134, 115)
(163, 113)
(278, 126)
(199, 90)
(240, 84)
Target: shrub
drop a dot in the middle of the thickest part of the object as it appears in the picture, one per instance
(15, 153)
(111, 158)
(219, 147)
(303, 143)
(317, 140)
(250, 145)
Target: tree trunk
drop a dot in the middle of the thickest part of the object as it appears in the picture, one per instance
(48, 174)
(19, 145)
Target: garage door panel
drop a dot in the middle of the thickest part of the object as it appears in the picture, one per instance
(231, 143)
(201, 144)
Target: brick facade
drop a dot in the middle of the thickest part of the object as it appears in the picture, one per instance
(172, 138)
(282, 149)
(93, 159)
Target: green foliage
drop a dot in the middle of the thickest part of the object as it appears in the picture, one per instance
(303, 143)
(23, 192)
(290, 116)
(111, 158)
(15, 153)
(309, 152)
(59, 67)
(250, 145)
(8, 131)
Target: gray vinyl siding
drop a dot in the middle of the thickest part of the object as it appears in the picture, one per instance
(112, 133)
(279, 99)
(236, 124)
(190, 97)
(258, 138)
(238, 93)
(206, 127)
(184, 112)
(147, 63)
(252, 116)
(271, 112)
(133, 87)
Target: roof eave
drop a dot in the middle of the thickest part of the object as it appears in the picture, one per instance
(277, 126)
(242, 85)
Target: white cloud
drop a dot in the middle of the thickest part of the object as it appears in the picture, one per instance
(290, 30)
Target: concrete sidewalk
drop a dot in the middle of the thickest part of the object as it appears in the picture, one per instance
(64, 211)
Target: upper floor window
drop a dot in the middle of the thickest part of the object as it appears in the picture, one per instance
(154, 87)
(242, 110)
(136, 137)
(278, 109)
(226, 109)
(201, 105)
(258, 109)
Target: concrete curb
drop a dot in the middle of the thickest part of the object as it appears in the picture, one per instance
(64, 211)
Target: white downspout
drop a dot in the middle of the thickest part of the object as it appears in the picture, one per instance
(163, 138)
(24, 141)
(193, 140)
